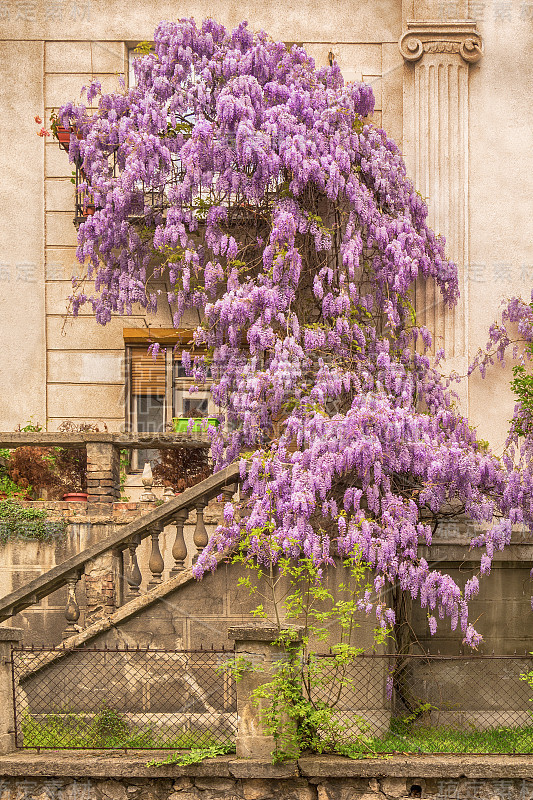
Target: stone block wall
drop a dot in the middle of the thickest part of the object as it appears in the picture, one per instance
(60, 776)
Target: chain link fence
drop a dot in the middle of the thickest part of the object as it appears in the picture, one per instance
(428, 703)
(123, 698)
(159, 699)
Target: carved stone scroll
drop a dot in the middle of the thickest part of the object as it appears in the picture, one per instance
(441, 37)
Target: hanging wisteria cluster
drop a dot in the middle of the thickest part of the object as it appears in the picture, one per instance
(250, 183)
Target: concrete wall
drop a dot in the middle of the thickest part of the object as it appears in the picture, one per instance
(203, 611)
(104, 777)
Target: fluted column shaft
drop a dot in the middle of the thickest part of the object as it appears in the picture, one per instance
(438, 57)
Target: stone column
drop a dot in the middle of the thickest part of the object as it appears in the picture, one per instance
(8, 638)
(257, 656)
(438, 56)
(103, 472)
(100, 587)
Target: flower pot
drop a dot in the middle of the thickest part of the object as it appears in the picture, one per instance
(181, 424)
(63, 136)
(75, 497)
(89, 210)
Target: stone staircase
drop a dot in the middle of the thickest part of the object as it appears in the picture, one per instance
(111, 577)
(127, 637)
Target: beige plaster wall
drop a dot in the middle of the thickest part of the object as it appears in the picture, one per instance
(22, 363)
(50, 50)
(500, 168)
(485, 210)
(288, 20)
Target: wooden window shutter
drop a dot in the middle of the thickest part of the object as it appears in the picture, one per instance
(148, 376)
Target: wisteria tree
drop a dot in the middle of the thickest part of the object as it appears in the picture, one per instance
(252, 185)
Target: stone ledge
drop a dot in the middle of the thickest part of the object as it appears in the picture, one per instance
(11, 634)
(420, 766)
(262, 632)
(258, 768)
(103, 764)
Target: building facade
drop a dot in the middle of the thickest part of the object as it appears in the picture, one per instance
(452, 82)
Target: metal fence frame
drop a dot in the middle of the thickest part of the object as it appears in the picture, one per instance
(200, 659)
(377, 674)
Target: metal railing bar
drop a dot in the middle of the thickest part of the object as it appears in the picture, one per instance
(431, 656)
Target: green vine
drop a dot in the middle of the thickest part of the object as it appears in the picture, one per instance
(301, 703)
(125, 462)
(17, 522)
(196, 755)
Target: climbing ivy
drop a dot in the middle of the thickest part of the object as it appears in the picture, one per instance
(18, 522)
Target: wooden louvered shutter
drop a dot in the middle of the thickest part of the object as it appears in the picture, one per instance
(148, 376)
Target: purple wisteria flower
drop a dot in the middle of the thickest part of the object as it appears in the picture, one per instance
(254, 187)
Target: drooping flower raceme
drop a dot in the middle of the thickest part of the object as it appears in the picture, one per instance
(251, 185)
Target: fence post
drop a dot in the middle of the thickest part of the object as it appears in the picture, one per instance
(256, 656)
(8, 638)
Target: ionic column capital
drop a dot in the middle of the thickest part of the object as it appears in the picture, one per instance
(455, 36)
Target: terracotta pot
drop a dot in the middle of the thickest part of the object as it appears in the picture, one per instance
(75, 497)
(89, 211)
(63, 136)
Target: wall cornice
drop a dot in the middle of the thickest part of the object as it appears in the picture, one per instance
(441, 37)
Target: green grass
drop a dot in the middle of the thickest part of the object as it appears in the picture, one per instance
(448, 740)
(109, 730)
(106, 730)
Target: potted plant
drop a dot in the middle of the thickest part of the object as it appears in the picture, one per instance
(31, 468)
(57, 472)
(182, 467)
(181, 424)
(71, 465)
(58, 130)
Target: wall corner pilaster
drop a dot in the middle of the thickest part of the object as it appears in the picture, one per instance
(438, 55)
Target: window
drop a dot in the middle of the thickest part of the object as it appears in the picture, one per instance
(158, 389)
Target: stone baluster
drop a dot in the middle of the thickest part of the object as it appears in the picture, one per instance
(134, 579)
(72, 609)
(200, 537)
(179, 548)
(168, 494)
(148, 481)
(156, 563)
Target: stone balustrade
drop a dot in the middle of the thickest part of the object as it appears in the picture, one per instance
(104, 564)
(103, 454)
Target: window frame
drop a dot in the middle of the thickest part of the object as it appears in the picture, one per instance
(175, 386)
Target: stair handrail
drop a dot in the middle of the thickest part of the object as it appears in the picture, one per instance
(60, 575)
